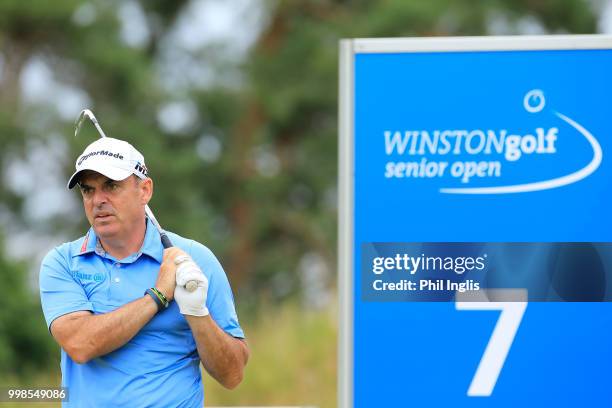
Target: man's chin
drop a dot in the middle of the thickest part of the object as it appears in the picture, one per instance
(105, 229)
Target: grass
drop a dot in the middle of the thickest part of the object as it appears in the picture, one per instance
(41, 380)
(293, 362)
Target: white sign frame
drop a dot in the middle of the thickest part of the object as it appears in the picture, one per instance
(348, 49)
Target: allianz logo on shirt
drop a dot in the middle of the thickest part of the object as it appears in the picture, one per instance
(490, 156)
(96, 277)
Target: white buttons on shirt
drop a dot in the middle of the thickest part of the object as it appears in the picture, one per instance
(117, 280)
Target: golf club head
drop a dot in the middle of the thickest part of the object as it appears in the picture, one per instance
(87, 113)
(80, 119)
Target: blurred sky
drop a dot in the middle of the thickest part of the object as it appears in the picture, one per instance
(204, 25)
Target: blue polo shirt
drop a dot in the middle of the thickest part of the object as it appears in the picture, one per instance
(159, 367)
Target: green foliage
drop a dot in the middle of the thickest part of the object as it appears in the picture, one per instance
(269, 197)
(25, 344)
(293, 361)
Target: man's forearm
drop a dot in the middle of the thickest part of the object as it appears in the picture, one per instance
(223, 356)
(90, 336)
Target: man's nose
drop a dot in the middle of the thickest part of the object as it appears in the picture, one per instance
(99, 197)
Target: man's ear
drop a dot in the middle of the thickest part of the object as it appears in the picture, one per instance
(146, 187)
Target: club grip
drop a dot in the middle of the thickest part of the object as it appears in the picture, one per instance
(165, 240)
(191, 285)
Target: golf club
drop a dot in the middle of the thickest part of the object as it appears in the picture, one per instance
(86, 113)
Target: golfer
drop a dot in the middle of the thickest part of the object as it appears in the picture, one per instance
(130, 333)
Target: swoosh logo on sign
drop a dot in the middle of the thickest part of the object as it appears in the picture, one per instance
(546, 184)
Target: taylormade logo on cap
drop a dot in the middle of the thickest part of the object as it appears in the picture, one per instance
(103, 152)
(114, 158)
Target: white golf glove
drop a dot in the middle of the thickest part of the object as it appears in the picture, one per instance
(190, 303)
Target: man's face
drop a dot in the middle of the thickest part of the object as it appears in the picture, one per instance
(113, 208)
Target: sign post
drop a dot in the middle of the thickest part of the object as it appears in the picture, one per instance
(474, 254)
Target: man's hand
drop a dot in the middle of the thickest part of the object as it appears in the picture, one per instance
(166, 278)
(192, 303)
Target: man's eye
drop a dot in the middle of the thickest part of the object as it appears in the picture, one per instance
(111, 186)
(86, 190)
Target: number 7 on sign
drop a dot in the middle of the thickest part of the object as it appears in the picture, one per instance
(512, 303)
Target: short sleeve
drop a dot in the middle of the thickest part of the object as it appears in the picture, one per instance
(220, 300)
(60, 293)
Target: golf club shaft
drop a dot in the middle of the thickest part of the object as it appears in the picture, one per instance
(86, 113)
(164, 237)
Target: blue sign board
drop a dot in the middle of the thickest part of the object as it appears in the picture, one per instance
(470, 167)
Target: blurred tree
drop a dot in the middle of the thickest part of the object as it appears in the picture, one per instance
(288, 116)
(25, 344)
(244, 162)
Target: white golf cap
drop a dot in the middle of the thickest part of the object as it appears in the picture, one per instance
(113, 158)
